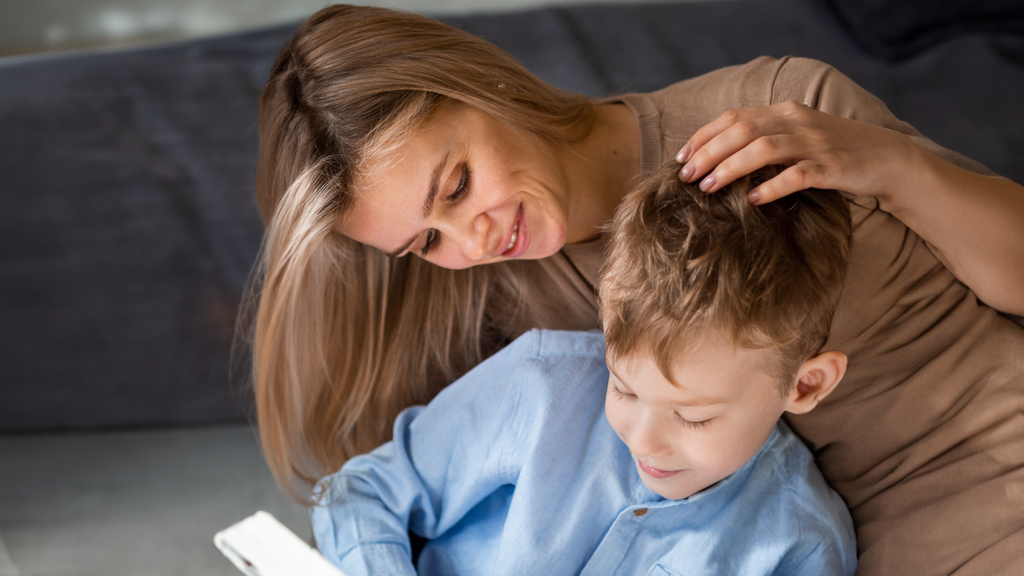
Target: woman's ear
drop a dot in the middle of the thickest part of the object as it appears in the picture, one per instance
(816, 379)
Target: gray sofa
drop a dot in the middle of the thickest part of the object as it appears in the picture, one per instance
(127, 220)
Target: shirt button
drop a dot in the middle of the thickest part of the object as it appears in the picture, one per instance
(639, 511)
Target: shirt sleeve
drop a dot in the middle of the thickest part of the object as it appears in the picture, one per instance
(823, 559)
(444, 459)
(821, 86)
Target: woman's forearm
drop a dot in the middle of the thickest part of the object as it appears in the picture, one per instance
(973, 222)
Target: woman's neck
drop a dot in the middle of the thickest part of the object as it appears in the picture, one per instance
(601, 169)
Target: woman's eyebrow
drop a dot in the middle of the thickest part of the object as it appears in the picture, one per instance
(435, 179)
(428, 202)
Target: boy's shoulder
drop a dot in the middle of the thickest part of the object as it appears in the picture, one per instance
(544, 350)
(794, 463)
(554, 358)
(554, 343)
(540, 365)
(789, 453)
(804, 497)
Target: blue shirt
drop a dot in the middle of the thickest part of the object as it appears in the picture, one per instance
(514, 469)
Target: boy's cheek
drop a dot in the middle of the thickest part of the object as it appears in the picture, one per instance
(613, 417)
(614, 421)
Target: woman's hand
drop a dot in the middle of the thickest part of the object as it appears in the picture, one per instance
(972, 221)
(820, 150)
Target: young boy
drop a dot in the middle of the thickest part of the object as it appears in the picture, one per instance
(540, 461)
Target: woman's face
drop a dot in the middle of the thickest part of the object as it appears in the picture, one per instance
(465, 189)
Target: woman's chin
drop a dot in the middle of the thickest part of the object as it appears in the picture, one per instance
(549, 248)
(542, 241)
(554, 238)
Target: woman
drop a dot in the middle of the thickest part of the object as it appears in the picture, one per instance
(385, 133)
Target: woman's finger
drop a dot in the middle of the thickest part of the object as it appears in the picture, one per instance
(763, 151)
(797, 177)
(725, 120)
(745, 147)
(820, 151)
(734, 131)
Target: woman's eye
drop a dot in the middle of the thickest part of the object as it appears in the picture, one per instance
(460, 191)
(463, 186)
(431, 237)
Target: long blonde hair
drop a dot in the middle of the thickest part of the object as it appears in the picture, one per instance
(345, 337)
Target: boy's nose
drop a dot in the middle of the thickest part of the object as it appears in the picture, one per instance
(646, 440)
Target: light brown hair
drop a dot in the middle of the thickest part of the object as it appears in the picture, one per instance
(345, 337)
(684, 262)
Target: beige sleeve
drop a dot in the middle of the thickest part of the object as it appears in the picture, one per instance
(821, 86)
(688, 105)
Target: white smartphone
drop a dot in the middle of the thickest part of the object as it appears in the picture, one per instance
(262, 546)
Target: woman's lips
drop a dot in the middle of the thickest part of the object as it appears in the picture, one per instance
(654, 472)
(519, 240)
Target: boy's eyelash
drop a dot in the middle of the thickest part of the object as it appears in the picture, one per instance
(688, 423)
(621, 394)
(693, 425)
(458, 194)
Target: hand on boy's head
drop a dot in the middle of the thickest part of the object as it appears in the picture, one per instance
(687, 435)
(820, 150)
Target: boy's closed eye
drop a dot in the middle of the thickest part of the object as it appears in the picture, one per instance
(620, 394)
(698, 425)
(629, 397)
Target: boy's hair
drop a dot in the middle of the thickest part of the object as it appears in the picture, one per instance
(683, 262)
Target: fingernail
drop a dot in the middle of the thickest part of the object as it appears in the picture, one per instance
(686, 173)
(684, 153)
(708, 183)
(754, 197)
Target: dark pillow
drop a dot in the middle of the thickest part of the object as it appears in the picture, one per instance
(898, 29)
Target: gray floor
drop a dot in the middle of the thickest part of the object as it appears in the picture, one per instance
(131, 503)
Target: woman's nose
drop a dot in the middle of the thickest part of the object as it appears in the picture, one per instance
(472, 234)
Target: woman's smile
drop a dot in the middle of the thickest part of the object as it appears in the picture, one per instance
(519, 240)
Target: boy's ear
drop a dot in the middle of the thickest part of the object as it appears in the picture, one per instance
(816, 379)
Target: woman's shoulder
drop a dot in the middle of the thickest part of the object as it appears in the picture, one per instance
(767, 80)
(760, 82)
(677, 111)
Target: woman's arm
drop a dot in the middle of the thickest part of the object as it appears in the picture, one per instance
(973, 222)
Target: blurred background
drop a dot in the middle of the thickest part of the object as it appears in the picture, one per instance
(28, 26)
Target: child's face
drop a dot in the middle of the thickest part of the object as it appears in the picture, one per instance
(685, 438)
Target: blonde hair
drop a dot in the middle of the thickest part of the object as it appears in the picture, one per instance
(683, 262)
(345, 337)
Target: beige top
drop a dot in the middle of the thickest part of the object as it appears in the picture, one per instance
(924, 438)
